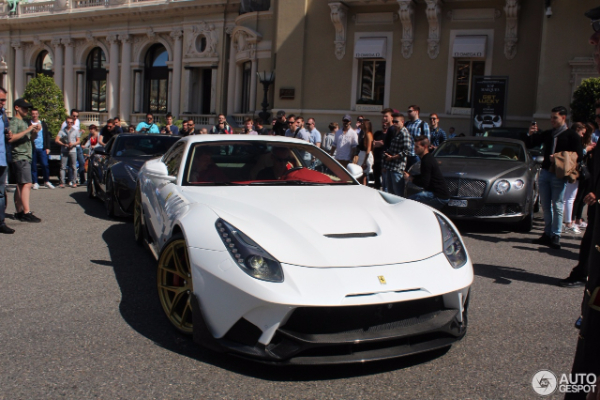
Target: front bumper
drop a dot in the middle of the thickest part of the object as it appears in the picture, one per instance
(332, 315)
(480, 210)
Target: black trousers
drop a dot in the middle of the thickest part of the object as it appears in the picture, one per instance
(580, 272)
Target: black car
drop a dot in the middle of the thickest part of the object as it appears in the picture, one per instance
(113, 169)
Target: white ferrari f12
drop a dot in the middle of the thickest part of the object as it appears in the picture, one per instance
(269, 249)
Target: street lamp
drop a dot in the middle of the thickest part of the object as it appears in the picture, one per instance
(266, 79)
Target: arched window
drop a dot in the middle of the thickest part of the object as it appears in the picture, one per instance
(43, 64)
(156, 76)
(96, 80)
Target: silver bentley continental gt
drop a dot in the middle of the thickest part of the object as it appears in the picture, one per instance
(489, 178)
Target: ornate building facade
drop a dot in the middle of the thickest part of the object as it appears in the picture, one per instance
(201, 57)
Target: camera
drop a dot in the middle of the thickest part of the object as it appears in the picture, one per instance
(533, 123)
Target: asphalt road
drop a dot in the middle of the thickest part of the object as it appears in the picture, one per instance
(80, 318)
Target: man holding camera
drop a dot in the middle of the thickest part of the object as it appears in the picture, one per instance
(169, 128)
(222, 127)
(21, 159)
(148, 126)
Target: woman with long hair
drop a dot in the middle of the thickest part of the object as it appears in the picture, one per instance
(365, 146)
(588, 145)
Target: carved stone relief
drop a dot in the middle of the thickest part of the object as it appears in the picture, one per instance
(339, 18)
(511, 9)
(202, 41)
(407, 18)
(434, 12)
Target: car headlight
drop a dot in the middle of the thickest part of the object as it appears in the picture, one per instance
(502, 186)
(248, 255)
(453, 247)
(519, 184)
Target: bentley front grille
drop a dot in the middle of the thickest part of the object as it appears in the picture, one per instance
(459, 187)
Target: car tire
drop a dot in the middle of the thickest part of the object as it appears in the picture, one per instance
(536, 205)
(175, 285)
(138, 216)
(91, 188)
(108, 198)
(526, 224)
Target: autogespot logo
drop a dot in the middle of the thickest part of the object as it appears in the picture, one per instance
(544, 382)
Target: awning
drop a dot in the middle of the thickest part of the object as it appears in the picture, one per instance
(469, 46)
(370, 48)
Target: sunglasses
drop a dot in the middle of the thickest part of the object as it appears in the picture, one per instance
(291, 122)
(596, 25)
(433, 119)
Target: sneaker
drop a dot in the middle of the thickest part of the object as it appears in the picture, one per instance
(49, 185)
(10, 189)
(61, 186)
(572, 229)
(5, 229)
(578, 322)
(70, 184)
(582, 225)
(543, 240)
(19, 216)
(555, 242)
(36, 186)
(74, 185)
(29, 217)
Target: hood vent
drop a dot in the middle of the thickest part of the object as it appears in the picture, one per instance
(350, 235)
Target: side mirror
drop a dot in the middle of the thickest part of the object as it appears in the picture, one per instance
(355, 170)
(158, 169)
(100, 150)
(539, 159)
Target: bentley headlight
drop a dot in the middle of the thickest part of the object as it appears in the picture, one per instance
(248, 255)
(519, 184)
(453, 247)
(502, 186)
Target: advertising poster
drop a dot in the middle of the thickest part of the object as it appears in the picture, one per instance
(488, 103)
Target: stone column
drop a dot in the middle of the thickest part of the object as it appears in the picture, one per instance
(177, 59)
(187, 94)
(125, 98)
(238, 88)
(252, 104)
(19, 73)
(170, 91)
(58, 63)
(137, 106)
(68, 80)
(80, 83)
(213, 91)
(231, 78)
(113, 77)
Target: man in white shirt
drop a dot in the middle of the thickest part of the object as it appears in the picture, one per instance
(68, 139)
(79, 151)
(345, 142)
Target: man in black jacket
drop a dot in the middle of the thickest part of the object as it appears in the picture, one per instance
(41, 149)
(435, 193)
(552, 188)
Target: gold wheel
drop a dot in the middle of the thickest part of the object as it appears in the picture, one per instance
(137, 216)
(175, 288)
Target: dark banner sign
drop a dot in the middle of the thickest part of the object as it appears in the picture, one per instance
(488, 103)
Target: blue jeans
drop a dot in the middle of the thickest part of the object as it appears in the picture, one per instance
(429, 199)
(3, 173)
(552, 191)
(81, 164)
(393, 182)
(39, 155)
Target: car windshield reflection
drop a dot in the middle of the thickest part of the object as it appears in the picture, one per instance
(142, 145)
(482, 150)
(261, 164)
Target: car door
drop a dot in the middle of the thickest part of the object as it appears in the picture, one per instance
(104, 163)
(161, 190)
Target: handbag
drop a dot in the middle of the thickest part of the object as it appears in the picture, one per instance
(584, 172)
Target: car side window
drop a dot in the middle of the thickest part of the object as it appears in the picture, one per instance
(173, 158)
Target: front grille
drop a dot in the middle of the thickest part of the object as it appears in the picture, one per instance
(459, 187)
(488, 210)
(332, 320)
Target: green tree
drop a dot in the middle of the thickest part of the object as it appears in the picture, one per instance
(584, 98)
(44, 95)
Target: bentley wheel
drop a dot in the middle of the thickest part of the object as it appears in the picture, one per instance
(175, 287)
(526, 224)
(108, 198)
(91, 188)
(137, 216)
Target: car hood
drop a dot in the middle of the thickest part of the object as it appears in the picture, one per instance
(475, 168)
(296, 224)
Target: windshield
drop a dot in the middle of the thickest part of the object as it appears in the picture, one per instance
(481, 149)
(261, 163)
(142, 145)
